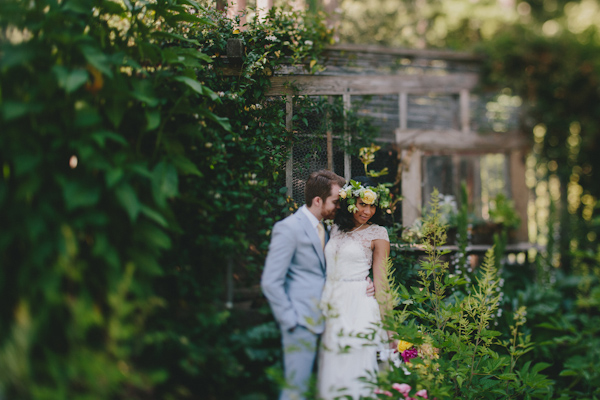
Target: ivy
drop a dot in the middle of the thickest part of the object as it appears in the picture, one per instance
(133, 172)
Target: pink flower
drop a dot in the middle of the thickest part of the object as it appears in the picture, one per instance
(422, 393)
(385, 392)
(402, 388)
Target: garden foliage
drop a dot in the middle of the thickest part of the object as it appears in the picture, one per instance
(133, 172)
(457, 352)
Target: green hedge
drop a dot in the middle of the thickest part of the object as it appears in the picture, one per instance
(133, 171)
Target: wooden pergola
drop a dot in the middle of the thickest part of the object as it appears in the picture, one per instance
(414, 144)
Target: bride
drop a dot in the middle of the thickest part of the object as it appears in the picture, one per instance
(353, 333)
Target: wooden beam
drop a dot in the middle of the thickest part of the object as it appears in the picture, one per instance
(319, 85)
(409, 53)
(454, 140)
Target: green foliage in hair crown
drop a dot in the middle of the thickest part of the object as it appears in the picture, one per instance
(378, 195)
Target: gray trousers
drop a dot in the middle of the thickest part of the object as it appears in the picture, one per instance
(299, 353)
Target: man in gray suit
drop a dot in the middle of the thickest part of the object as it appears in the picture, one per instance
(294, 277)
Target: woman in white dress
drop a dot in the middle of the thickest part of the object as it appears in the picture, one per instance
(353, 332)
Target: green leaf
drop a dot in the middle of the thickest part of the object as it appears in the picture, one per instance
(16, 56)
(197, 87)
(154, 215)
(224, 122)
(77, 6)
(79, 194)
(101, 136)
(186, 166)
(165, 183)
(86, 116)
(156, 237)
(144, 92)
(113, 176)
(98, 59)
(128, 199)
(115, 109)
(568, 372)
(152, 119)
(112, 7)
(15, 109)
(161, 34)
(70, 80)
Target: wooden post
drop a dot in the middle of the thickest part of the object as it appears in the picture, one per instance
(519, 191)
(347, 160)
(329, 137)
(412, 192)
(289, 166)
(465, 117)
(403, 109)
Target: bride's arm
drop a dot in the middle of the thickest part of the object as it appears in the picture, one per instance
(381, 251)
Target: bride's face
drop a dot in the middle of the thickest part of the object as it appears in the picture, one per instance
(364, 213)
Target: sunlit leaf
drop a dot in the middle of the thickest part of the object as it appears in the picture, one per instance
(70, 80)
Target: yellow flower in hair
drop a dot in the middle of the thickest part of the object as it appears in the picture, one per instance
(404, 345)
(342, 194)
(369, 196)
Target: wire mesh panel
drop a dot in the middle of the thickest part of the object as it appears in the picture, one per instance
(309, 151)
(383, 111)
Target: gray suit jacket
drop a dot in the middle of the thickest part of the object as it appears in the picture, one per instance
(294, 273)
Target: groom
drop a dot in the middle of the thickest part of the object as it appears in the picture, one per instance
(294, 277)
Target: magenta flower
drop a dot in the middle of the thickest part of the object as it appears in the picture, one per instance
(422, 393)
(402, 388)
(409, 354)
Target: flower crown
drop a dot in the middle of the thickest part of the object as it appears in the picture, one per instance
(378, 195)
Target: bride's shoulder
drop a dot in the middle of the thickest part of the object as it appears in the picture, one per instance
(378, 232)
(333, 228)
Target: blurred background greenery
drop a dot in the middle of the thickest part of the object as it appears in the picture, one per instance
(135, 176)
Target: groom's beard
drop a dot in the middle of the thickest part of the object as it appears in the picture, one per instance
(330, 214)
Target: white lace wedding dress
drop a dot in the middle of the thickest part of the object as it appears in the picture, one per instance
(352, 333)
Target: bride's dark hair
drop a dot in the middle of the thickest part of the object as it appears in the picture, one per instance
(344, 219)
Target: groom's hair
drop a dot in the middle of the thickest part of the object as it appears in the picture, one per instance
(319, 185)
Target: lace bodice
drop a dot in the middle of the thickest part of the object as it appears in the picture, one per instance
(349, 255)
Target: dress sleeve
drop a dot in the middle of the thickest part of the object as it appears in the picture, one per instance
(379, 232)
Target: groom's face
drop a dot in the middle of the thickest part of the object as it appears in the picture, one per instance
(331, 203)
